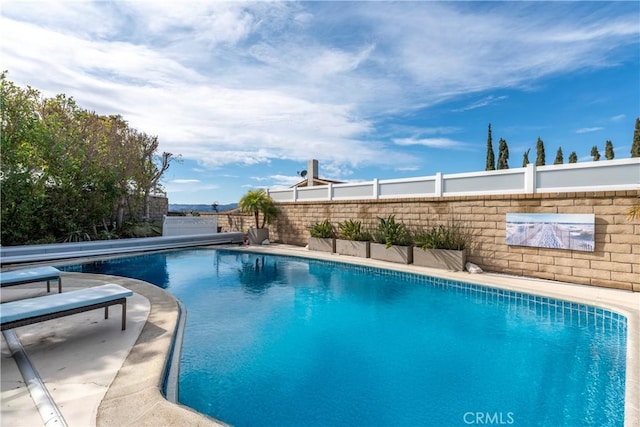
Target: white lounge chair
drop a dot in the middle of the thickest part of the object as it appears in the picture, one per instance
(29, 275)
(33, 310)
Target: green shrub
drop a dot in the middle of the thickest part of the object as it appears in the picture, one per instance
(77, 236)
(353, 230)
(322, 230)
(451, 237)
(45, 240)
(391, 232)
(141, 229)
(108, 235)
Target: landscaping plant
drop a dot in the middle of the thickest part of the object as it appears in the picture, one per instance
(353, 230)
(258, 202)
(391, 232)
(322, 230)
(451, 237)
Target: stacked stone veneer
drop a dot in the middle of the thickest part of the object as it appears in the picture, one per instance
(158, 207)
(614, 263)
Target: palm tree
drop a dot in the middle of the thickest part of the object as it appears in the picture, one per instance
(256, 202)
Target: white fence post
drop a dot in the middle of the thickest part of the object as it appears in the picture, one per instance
(530, 178)
(438, 184)
(295, 194)
(376, 188)
(330, 190)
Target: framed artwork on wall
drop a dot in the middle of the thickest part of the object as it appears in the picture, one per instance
(557, 231)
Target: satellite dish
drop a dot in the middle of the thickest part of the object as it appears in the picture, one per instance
(303, 173)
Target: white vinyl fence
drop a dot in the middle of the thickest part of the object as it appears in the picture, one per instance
(189, 225)
(604, 175)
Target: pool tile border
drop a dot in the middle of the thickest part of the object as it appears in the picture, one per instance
(589, 314)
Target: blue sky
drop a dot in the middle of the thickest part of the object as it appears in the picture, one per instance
(247, 92)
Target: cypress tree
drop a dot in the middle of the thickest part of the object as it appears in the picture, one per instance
(595, 154)
(635, 148)
(573, 157)
(540, 153)
(559, 159)
(608, 150)
(525, 158)
(503, 154)
(491, 158)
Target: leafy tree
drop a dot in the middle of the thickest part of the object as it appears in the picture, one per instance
(155, 167)
(635, 147)
(595, 154)
(86, 178)
(559, 159)
(503, 154)
(23, 179)
(67, 170)
(540, 160)
(573, 157)
(491, 159)
(608, 150)
(525, 158)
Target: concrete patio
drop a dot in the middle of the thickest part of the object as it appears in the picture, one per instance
(96, 373)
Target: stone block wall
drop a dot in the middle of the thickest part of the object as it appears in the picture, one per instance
(233, 220)
(614, 263)
(158, 207)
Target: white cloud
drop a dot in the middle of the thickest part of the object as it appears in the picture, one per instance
(430, 142)
(618, 118)
(250, 82)
(184, 181)
(335, 170)
(449, 50)
(212, 23)
(589, 130)
(284, 180)
(488, 100)
(181, 188)
(440, 130)
(79, 18)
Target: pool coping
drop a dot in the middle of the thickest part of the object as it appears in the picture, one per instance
(135, 395)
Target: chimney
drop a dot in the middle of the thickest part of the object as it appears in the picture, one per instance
(312, 172)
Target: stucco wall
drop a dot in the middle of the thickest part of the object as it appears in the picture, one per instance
(614, 263)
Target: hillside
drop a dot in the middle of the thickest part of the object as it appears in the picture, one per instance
(176, 207)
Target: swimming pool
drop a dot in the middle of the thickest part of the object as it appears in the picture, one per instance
(286, 341)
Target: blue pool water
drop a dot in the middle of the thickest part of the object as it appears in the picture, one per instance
(283, 341)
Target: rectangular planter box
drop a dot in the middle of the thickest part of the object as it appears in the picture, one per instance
(399, 254)
(258, 235)
(322, 244)
(352, 248)
(440, 258)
